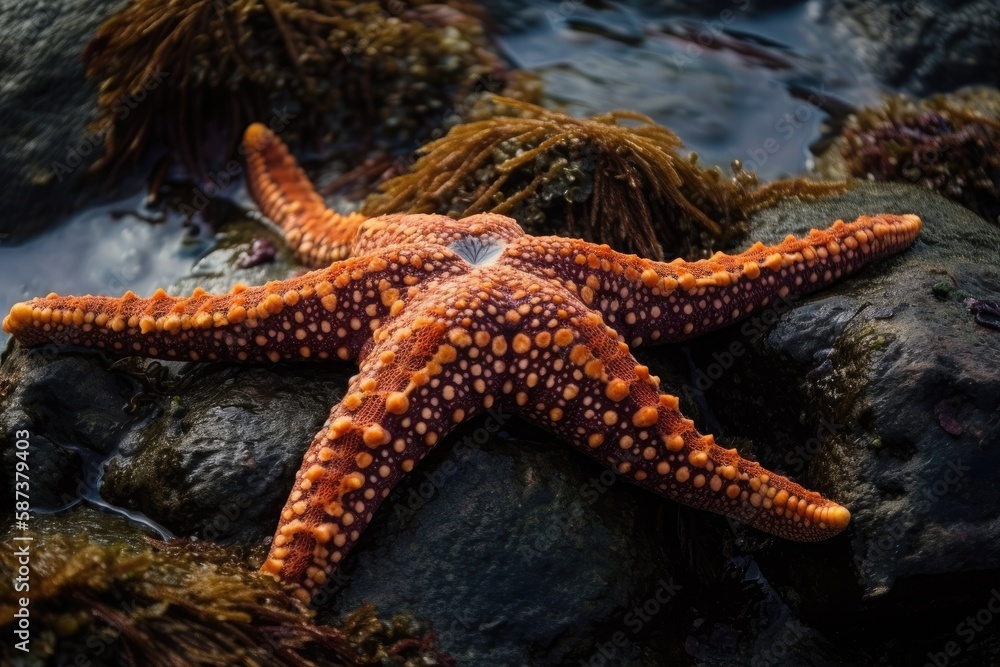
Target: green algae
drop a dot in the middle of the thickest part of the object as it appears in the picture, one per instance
(615, 178)
(942, 289)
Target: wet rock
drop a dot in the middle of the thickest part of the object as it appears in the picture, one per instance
(69, 409)
(45, 107)
(756, 626)
(81, 407)
(517, 550)
(895, 417)
(216, 455)
(922, 46)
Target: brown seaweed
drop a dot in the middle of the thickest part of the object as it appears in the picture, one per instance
(181, 74)
(181, 603)
(615, 178)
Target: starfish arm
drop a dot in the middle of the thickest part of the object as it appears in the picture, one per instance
(324, 314)
(659, 302)
(425, 374)
(280, 188)
(583, 383)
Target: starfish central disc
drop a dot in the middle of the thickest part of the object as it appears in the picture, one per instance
(478, 250)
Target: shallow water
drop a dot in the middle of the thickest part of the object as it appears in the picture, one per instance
(724, 83)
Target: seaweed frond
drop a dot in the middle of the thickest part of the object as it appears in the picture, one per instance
(615, 178)
(182, 603)
(190, 75)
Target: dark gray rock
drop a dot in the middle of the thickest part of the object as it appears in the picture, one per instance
(922, 46)
(911, 475)
(518, 551)
(45, 106)
(70, 410)
(883, 393)
(217, 453)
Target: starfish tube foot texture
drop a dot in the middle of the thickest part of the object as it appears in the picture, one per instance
(446, 318)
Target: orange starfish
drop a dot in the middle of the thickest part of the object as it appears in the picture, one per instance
(446, 318)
